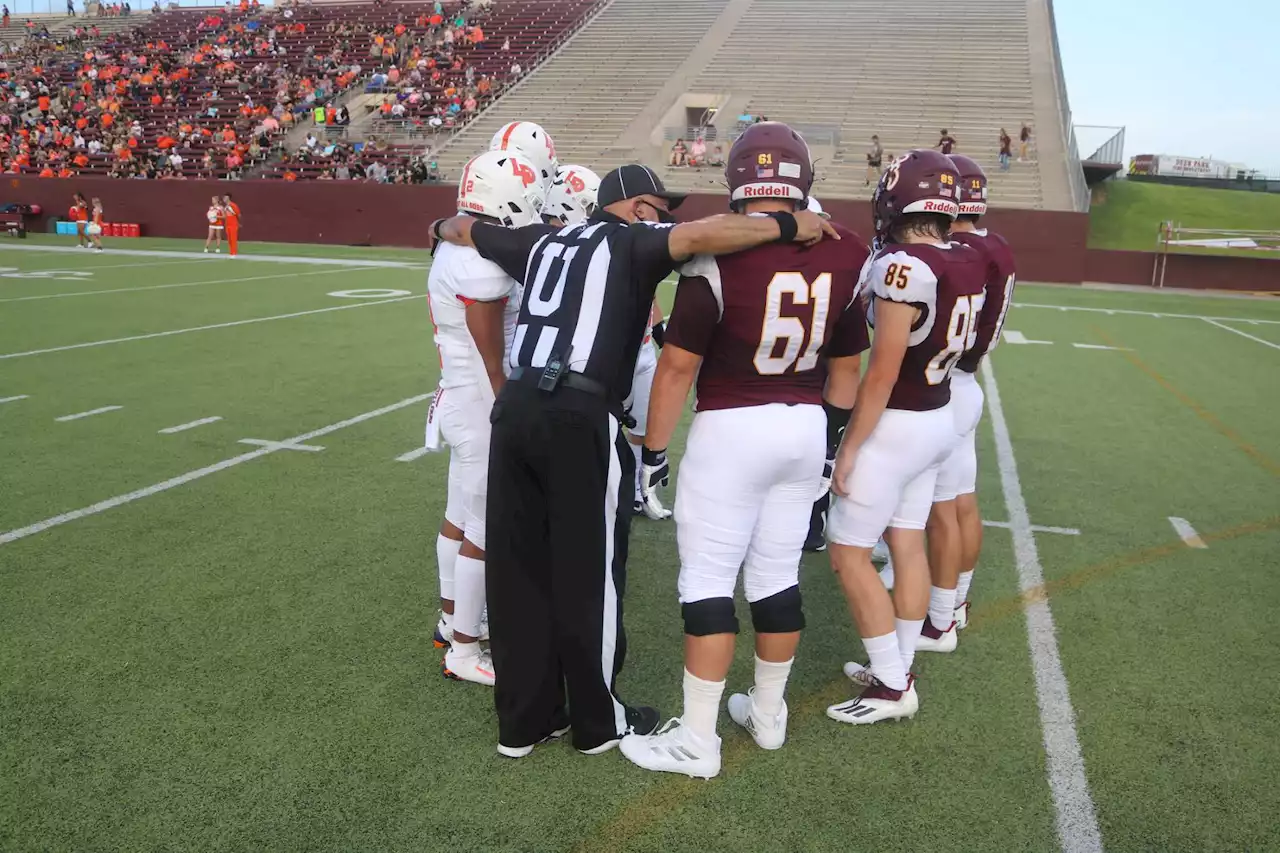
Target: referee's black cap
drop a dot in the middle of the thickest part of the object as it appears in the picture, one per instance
(634, 180)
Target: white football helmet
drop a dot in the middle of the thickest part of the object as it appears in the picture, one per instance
(502, 186)
(815, 207)
(532, 143)
(573, 195)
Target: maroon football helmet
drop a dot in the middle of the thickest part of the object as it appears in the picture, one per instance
(973, 185)
(769, 160)
(919, 181)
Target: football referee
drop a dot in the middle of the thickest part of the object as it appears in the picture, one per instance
(560, 472)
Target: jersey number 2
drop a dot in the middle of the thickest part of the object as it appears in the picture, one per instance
(777, 327)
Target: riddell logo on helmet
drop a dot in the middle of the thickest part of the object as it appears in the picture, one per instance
(765, 191)
(931, 206)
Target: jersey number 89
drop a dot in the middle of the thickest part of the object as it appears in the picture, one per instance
(962, 333)
(777, 327)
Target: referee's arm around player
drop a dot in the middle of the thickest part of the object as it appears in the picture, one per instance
(560, 471)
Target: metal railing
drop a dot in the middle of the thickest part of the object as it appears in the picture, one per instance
(1110, 150)
(1075, 172)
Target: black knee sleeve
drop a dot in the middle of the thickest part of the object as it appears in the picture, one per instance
(780, 613)
(709, 616)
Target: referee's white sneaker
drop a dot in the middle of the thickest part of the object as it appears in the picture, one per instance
(877, 703)
(468, 667)
(769, 731)
(674, 748)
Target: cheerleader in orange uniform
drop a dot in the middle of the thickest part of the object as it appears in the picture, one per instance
(217, 222)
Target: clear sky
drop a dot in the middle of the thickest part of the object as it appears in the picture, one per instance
(1188, 77)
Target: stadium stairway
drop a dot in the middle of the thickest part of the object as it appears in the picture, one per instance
(829, 67)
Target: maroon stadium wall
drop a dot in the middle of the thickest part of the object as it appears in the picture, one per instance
(1050, 245)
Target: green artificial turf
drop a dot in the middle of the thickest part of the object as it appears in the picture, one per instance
(244, 661)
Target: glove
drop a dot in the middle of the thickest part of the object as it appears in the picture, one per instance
(655, 472)
(828, 468)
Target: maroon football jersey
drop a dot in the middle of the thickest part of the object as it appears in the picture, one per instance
(946, 282)
(765, 320)
(1001, 275)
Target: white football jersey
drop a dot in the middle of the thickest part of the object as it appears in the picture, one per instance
(459, 276)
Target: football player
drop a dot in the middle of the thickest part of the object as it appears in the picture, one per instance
(955, 526)
(773, 337)
(474, 306)
(572, 199)
(926, 296)
(532, 145)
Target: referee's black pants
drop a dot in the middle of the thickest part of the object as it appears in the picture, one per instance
(559, 511)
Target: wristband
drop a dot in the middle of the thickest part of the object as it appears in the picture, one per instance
(652, 458)
(786, 224)
(435, 229)
(837, 422)
(659, 333)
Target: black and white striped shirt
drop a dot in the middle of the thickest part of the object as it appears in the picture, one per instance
(587, 292)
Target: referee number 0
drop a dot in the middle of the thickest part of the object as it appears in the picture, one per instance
(778, 327)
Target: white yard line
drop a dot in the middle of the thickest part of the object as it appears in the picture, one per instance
(13, 399)
(287, 259)
(1159, 314)
(189, 425)
(1077, 822)
(204, 328)
(1100, 346)
(191, 476)
(181, 284)
(411, 455)
(1035, 528)
(1265, 343)
(78, 415)
(102, 267)
(1186, 532)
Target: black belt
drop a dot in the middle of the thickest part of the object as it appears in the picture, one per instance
(578, 382)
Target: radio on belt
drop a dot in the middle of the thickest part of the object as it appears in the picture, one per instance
(553, 372)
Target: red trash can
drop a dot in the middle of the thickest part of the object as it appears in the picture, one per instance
(108, 229)
(134, 230)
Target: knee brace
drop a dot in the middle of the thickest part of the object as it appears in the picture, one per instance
(709, 616)
(780, 613)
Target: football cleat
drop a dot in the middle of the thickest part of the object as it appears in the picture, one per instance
(877, 703)
(674, 748)
(443, 635)
(522, 751)
(476, 668)
(770, 732)
(962, 616)
(886, 576)
(880, 553)
(815, 542)
(935, 639)
(859, 674)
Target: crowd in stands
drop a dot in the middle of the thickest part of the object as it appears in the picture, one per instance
(213, 94)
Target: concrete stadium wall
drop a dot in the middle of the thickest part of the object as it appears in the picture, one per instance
(1050, 245)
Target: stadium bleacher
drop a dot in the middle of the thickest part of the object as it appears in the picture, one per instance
(833, 68)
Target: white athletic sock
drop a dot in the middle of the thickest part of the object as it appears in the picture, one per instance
(771, 683)
(701, 705)
(908, 631)
(942, 607)
(446, 557)
(468, 602)
(962, 588)
(886, 660)
(465, 650)
(635, 451)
